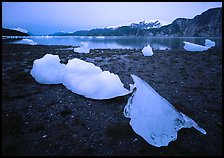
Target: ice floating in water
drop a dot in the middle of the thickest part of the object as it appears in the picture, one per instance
(147, 51)
(78, 76)
(195, 47)
(27, 41)
(153, 117)
(83, 49)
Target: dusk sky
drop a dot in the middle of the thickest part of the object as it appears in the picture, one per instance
(42, 18)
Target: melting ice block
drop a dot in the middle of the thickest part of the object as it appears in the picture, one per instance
(209, 43)
(78, 76)
(147, 51)
(83, 49)
(48, 70)
(153, 117)
(89, 80)
(195, 47)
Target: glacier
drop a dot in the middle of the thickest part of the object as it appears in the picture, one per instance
(79, 76)
(153, 117)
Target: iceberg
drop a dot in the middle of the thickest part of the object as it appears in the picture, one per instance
(195, 47)
(147, 51)
(83, 49)
(78, 76)
(153, 117)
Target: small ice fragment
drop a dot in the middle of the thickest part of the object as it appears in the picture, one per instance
(83, 49)
(147, 51)
(195, 47)
(209, 43)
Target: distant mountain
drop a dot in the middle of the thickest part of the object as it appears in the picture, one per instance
(9, 32)
(125, 29)
(61, 33)
(208, 24)
(19, 29)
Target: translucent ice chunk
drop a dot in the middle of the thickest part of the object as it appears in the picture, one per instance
(153, 117)
(83, 49)
(195, 47)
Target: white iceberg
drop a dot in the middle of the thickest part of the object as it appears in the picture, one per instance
(147, 51)
(83, 49)
(153, 117)
(78, 76)
(48, 70)
(195, 47)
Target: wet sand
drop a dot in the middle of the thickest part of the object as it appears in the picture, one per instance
(39, 119)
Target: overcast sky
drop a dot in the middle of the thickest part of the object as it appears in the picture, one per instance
(49, 17)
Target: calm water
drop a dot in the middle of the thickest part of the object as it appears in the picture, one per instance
(116, 42)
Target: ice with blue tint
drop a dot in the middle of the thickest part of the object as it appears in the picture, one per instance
(48, 70)
(195, 47)
(153, 117)
(78, 76)
(147, 51)
(83, 49)
(209, 43)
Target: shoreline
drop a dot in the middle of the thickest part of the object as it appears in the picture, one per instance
(41, 119)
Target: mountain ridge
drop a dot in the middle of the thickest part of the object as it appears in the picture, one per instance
(10, 32)
(207, 24)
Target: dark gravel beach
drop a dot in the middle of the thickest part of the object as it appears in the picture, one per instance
(40, 119)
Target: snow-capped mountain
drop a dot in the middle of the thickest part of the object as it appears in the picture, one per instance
(209, 23)
(142, 24)
(19, 29)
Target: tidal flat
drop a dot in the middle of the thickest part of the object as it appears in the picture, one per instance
(41, 120)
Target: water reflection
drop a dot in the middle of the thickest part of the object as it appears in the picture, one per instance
(113, 42)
